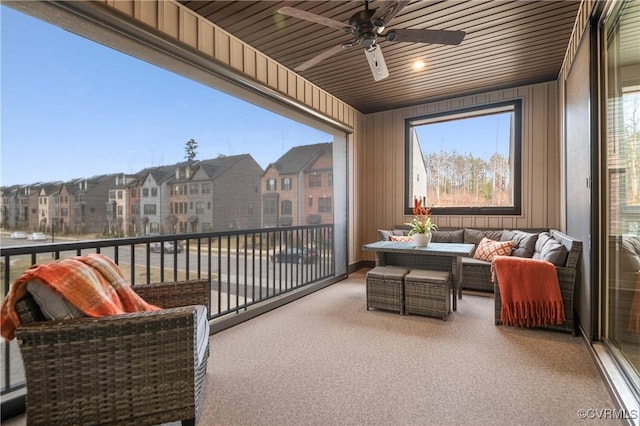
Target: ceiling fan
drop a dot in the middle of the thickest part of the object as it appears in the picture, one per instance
(367, 27)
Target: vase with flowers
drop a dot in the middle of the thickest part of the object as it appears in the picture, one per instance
(421, 225)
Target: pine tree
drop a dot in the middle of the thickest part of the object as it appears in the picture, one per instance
(190, 150)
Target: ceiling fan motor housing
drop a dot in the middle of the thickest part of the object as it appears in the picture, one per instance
(365, 30)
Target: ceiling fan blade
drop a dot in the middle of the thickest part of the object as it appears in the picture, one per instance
(312, 17)
(426, 36)
(390, 10)
(321, 57)
(376, 62)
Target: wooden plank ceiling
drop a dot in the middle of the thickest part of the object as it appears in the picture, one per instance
(508, 43)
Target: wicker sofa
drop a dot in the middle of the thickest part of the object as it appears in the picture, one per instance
(476, 274)
(566, 277)
(141, 368)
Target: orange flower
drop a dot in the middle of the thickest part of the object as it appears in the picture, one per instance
(418, 210)
(421, 223)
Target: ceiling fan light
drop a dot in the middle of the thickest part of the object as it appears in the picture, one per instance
(419, 64)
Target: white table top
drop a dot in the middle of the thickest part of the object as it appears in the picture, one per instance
(437, 249)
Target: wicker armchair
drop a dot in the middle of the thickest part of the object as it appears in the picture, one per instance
(138, 368)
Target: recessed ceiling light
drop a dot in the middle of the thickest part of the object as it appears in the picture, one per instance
(418, 65)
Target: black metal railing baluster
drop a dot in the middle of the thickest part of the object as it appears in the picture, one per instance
(272, 267)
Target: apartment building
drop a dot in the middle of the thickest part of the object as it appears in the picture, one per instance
(293, 186)
(48, 208)
(118, 212)
(224, 194)
(154, 199)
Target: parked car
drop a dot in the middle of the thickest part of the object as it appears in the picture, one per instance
(168, 246)
(37, 236)
(295, 255)
(18, 235)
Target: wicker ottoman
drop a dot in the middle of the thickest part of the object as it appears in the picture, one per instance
(385, 288)
(427, 293)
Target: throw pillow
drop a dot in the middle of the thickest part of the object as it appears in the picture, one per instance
(384, 234)
(402, 238)
(524, 243)
(549, 249)
(487, 249)
(52, 304)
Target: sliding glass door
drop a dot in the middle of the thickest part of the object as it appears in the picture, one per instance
(621, 310)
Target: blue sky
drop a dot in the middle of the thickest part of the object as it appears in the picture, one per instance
(73, 108)
(487, 134)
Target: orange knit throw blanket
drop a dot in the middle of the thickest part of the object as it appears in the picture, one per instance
(94, 284)
(530, 291)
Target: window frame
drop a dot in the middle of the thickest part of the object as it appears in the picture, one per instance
(516, 208)
(286, 207)
(325, 205)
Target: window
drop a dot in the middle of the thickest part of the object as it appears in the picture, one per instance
(286, 207)
(286, 184)
(270, 207)
(271, 184)
(310, 201)
(120, 210)
(465, 162)
(154, 192)
(193, 188)
(149, 209)
(119, 195)
(112, 195)
(315, 180)
(199, 207)
(145, 192)
(324, 205)
(206, 188)
(330, 183)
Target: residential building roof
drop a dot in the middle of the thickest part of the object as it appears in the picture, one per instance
(298, 158)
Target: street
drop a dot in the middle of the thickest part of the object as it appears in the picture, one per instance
(233, 278)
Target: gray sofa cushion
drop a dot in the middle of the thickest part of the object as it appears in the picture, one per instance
(456, 236)
(549, 249)
(524, 243)
(202, 333)
(474, 236)
(385, 235)
(52, 304)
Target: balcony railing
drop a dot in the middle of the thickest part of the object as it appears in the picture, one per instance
(244, 268)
